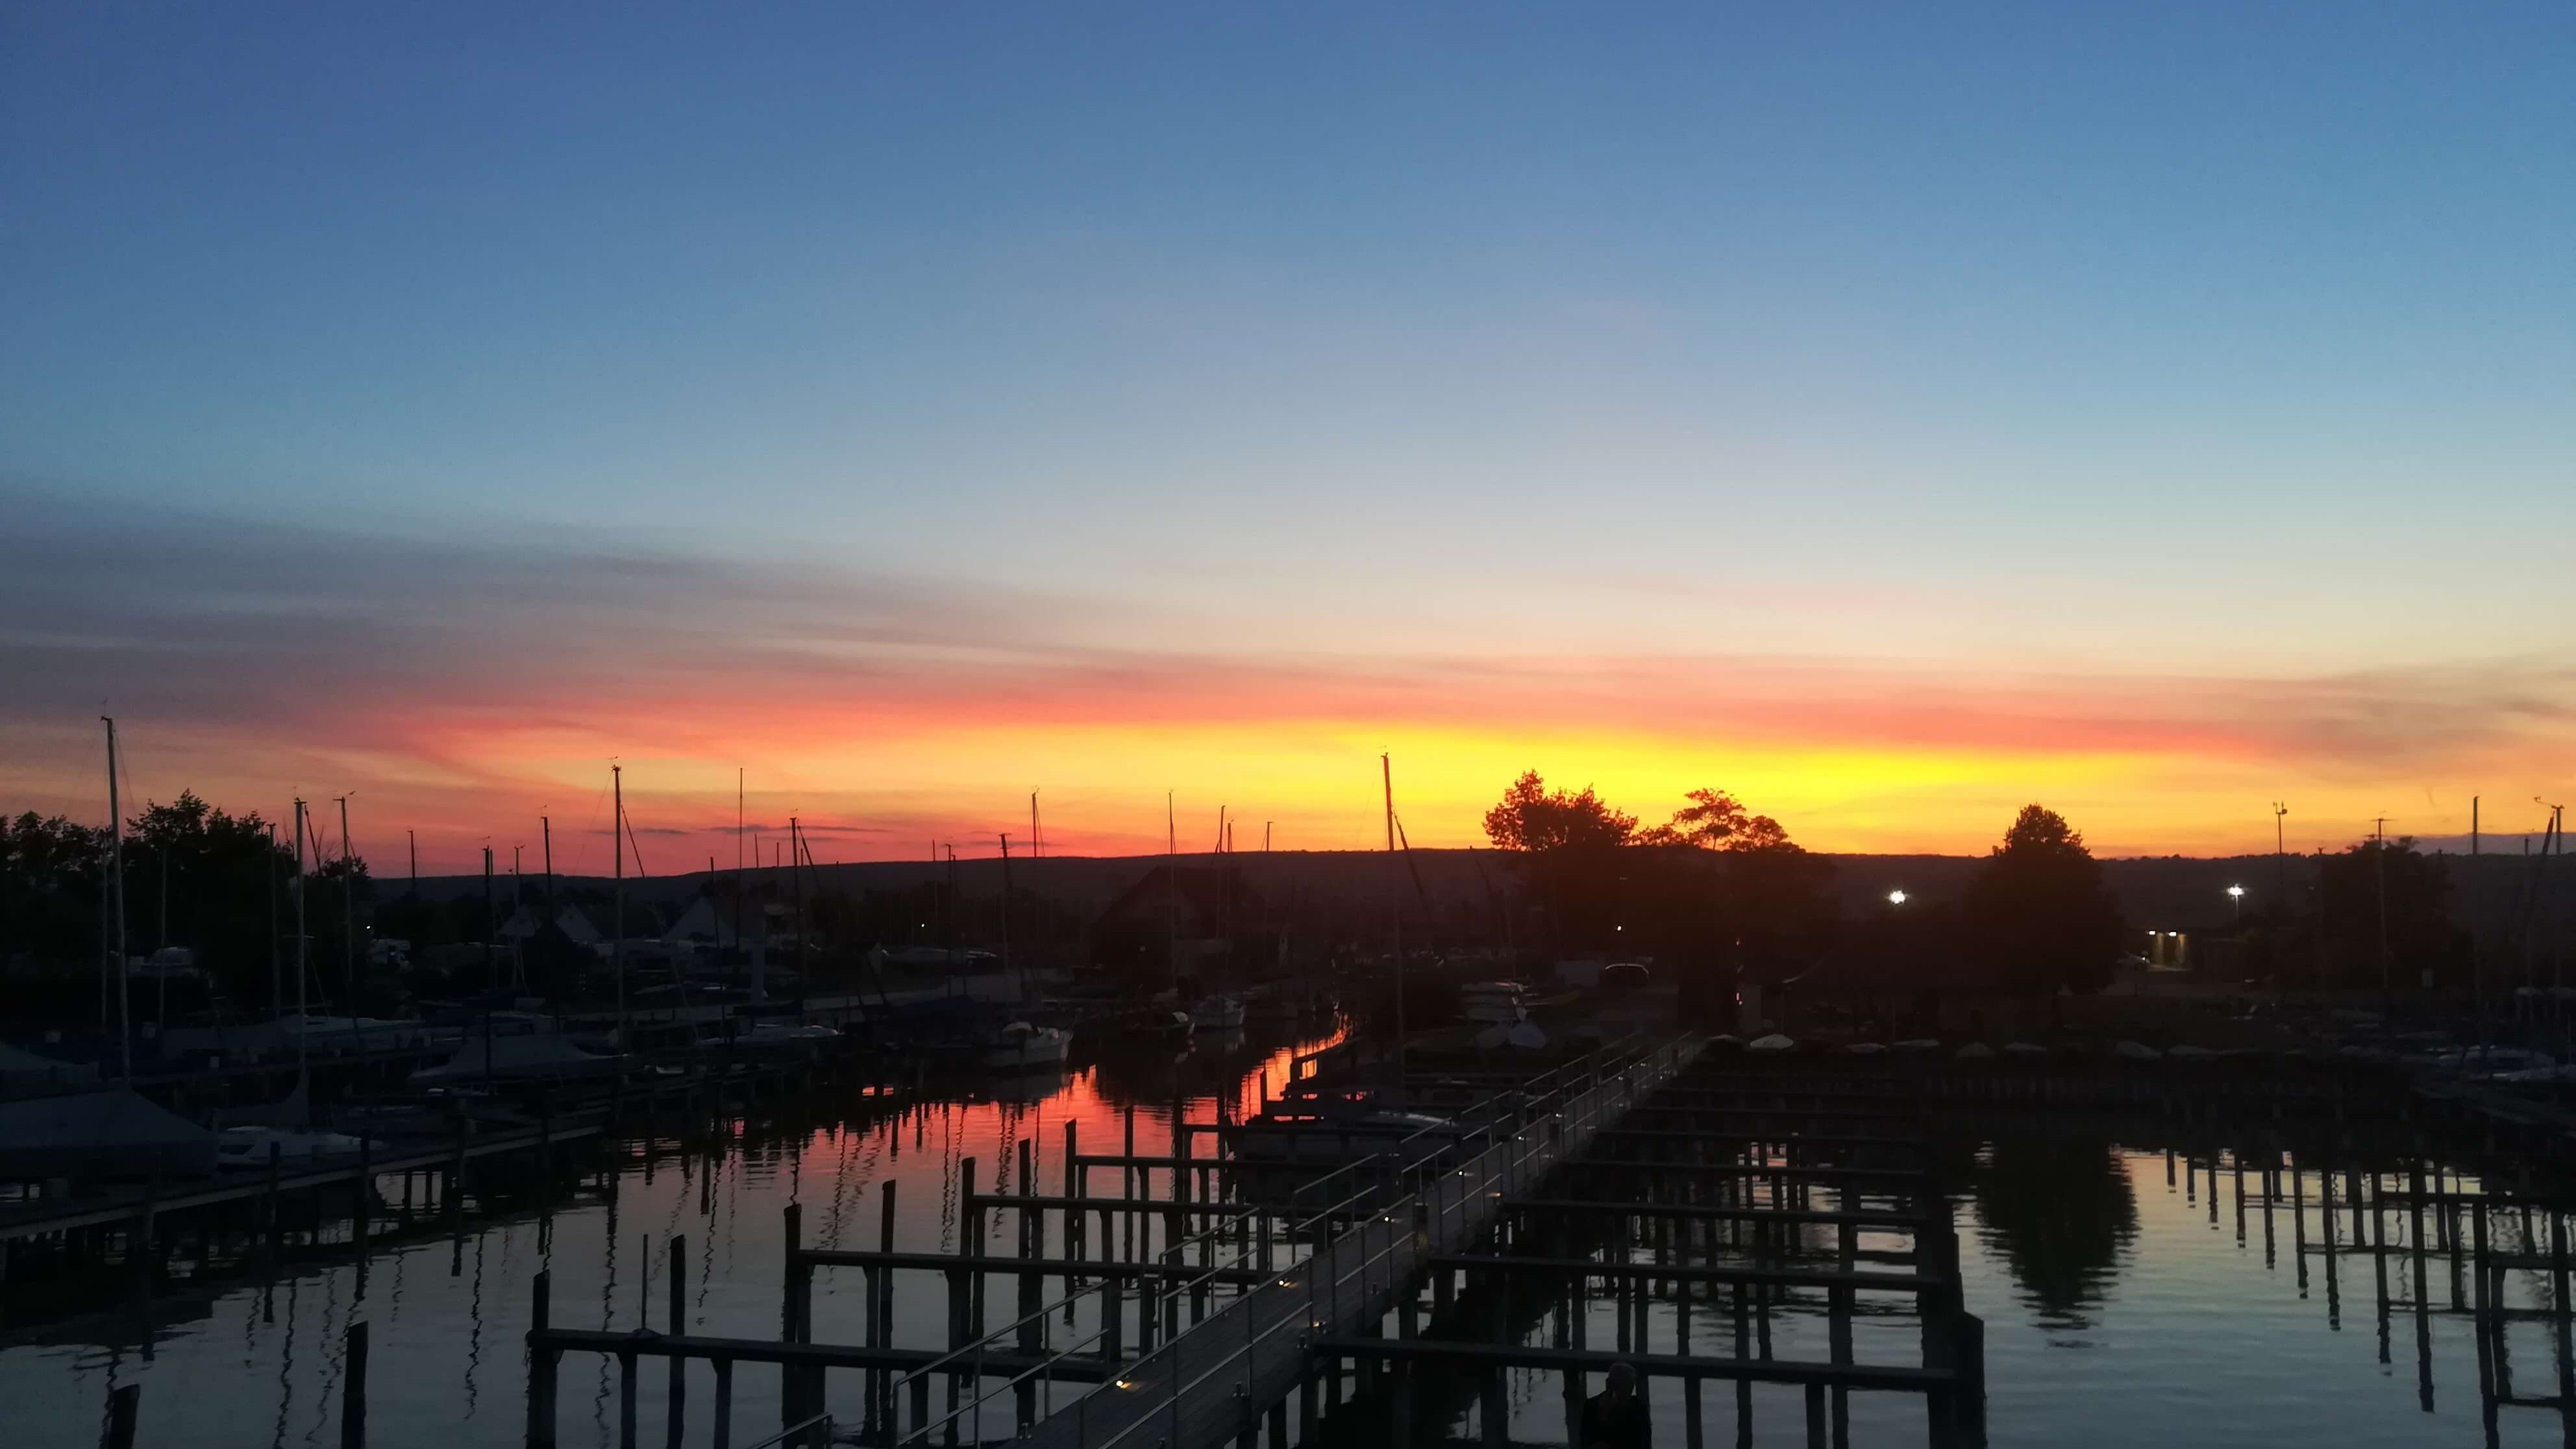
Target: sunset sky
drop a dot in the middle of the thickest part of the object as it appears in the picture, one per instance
(1888, 413)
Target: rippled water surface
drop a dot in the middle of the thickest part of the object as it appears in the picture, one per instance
(2117, 1311)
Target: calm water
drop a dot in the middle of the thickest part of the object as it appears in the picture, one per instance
(2117, 1313)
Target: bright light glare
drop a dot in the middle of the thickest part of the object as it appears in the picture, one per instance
(1896, 898)
(2237, 891)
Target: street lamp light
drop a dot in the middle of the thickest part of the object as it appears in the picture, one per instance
(2236, 893)
(1896, 898)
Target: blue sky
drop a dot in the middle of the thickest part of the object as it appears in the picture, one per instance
(2223, 340)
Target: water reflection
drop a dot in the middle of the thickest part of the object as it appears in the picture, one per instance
(2063, 1216)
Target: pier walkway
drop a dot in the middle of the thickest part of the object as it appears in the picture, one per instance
(1210, 1384)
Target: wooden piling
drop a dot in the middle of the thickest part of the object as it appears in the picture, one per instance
(723, 1435)
(626, 1401)
(542, 1362)
(124, 1405)
(796, 1309)
(353, 1387)
(677, 1324)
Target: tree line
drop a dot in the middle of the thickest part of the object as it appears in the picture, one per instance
(1722, 891)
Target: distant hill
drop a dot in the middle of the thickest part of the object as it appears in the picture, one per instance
(1350, 890)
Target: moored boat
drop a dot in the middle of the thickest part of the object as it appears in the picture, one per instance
(256, 1146)
(1020, 1046)
(1337, 1125)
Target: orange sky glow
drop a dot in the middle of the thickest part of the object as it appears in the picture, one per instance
(464, 693)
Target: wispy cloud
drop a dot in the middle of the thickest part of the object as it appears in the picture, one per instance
(447, 667)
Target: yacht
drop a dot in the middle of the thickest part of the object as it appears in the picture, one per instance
(1023, 1047)
(1336, 1125)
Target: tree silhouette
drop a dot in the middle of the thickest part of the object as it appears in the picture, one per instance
(1717, 890)
(2388, 881)
(51, 872)
(2039, 909)
(1532, 817)
(1715, 820)
(195, 876)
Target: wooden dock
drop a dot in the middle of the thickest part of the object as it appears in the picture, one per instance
(1195, 1303)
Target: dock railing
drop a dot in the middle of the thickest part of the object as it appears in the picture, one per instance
(1413, 1162)
(1205, 1385)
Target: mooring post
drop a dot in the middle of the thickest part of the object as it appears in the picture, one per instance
(2379, 1255)
(123, 1402)
(960, 1295)
(677, 1326)
(1032, 1244)
(795, 1303)
(874, 1378)
(2237, 1159)
(1175, 1225)
(2299, 1222)
(2270, 1185)
(353, 1387)
(724, 1402)
(1839, 1309)
(268, 1202)
(1127, 1181)
(2488, 1389)
(140, 1238)
(973, 1242)
(1968, 1403)
(880, 1286)
(542, 1359)
(2558, 1269)
(1073, 1179)
(364, 1196)
(626, 1401)
(456, 1175)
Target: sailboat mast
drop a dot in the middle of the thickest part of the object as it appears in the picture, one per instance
(796, 880)
(738, 886)
(348, 913)
(617, 853)
(1006, 917)
(116, 895)
(1386, 773)
(276, 947)
(1171, 892)
(301, 1008)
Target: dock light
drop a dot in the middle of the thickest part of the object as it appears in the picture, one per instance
(2237, 891)
(1896, 898)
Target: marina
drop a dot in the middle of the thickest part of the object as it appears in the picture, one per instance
(1779, 1253)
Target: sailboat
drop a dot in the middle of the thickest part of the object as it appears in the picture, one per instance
(1020, 1046)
